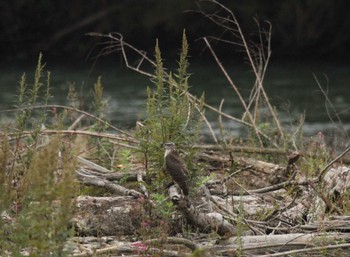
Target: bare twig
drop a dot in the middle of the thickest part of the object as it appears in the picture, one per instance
(92, 165)
(122, 46)
(208, 124)
(71, 109)
(329, 103)
(80, 132)
(76, 122)
(328, 203)
(242, 149)
(278, 186)
(220, 123)
(235, 89)
(250, 53)
(324, 170)
(62, 32)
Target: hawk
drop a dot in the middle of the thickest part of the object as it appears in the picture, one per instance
(293, 158)
(176, 167)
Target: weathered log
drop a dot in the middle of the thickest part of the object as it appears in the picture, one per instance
(254, 245)
(265, 245)
(104, 216)
(336, 183)
(206, 222)
(264, 206)
(86, 178)
(112, 246)
(257, 173)
(99, 171)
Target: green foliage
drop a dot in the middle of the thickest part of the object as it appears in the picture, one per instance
(125, 159)
(37, 179)
(316, 156)
(99, 105)
(46, 205)
(171, 116)
(31, 94)
(153, 219)
(170, 112)
(164, 208)
(73, 97)
(99, 102)
(5, 180)
(344, 202)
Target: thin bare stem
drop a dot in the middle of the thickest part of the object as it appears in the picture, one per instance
(323, 172)
(258, 76)
(77, 132)
(123, 46)
(235, 89)
(71, 109)
(329, 103)
(220, 123)
(208, 124)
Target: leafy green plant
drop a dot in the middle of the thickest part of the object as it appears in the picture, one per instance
(171, 116)
(163, 207)
(316, 155)
(37, 178)
(46, 207)
(170, 112)
(29, 95)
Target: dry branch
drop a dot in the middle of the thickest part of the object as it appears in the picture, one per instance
(120, 45)
(86, 178)
(230, 23)
(235, 88)
(282, 244)
(71, 109)
(206, 222)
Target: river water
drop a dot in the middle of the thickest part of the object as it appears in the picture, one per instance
(291, 87)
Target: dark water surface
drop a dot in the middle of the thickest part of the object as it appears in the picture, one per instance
(291, 87)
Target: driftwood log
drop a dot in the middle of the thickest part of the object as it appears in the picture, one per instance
(278, 212)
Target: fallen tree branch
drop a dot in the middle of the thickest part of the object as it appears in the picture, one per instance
(206, 222)
(309, 250)
(81, 132)
(91, 180)
(175, 240)
(259, 245)
(324, 170)
(71, 109)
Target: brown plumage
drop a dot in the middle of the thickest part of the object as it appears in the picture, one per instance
(293, 158)
(176, 167)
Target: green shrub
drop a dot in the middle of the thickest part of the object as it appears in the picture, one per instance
(37, 179)
(171, 115)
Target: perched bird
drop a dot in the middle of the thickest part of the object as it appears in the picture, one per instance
(176, 167)
(293, 158)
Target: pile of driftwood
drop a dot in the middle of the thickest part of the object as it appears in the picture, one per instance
(260, 209)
